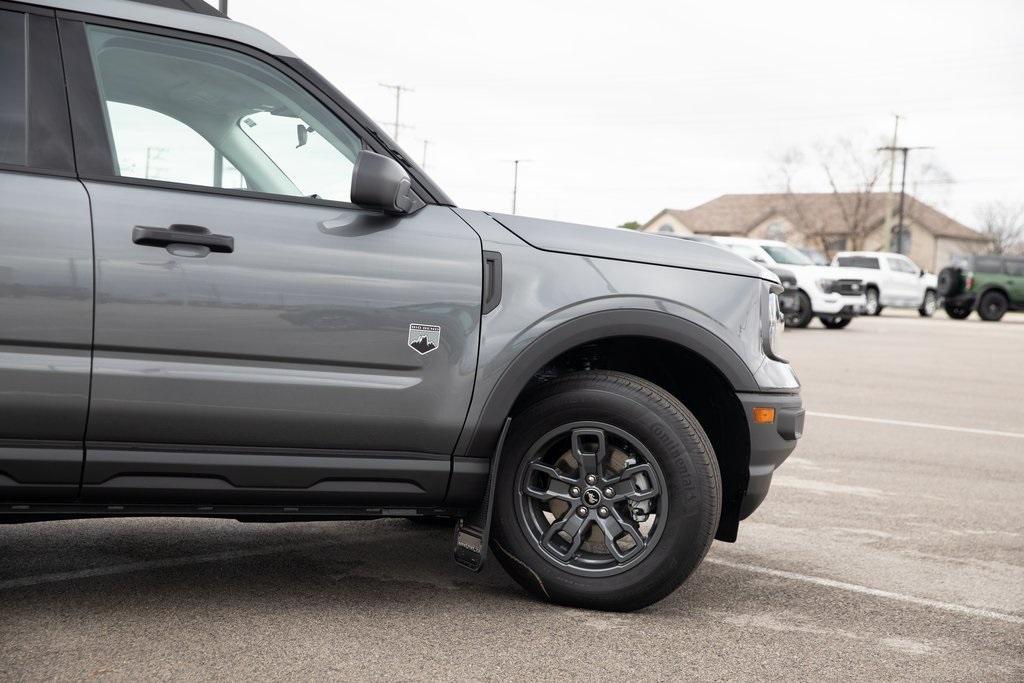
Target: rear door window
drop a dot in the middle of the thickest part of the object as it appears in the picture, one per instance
(1015, 267)
(13, 139)
(858, 262)
(988, 264)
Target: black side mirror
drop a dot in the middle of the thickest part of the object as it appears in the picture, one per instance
(380, 182)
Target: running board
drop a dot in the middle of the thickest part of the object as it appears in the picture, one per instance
(474, 530)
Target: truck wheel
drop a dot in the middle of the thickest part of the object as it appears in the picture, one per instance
(992, 306)
(930, 303)
(834, 322)
(872, 305)
(608, 493)
(957, 311)
(803, 315)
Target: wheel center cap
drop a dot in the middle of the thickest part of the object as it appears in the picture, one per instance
(591, 497)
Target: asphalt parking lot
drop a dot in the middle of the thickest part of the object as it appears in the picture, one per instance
(891, 546)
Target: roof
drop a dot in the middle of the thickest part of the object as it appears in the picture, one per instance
(184, 15)
(199, 6)
(738, 214)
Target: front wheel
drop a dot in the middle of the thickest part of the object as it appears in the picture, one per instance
(872, 302)
(993, 306)
(929, 305)
(608, 493)
(803, 315)
(834, 322)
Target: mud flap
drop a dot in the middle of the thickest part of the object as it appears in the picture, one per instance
(473, 531)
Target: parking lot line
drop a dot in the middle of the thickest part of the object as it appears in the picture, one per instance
(875, 592)
(925, 425)
(127, 568)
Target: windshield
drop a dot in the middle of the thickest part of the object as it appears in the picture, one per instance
(787, 255)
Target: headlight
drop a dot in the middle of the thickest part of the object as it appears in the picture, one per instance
(826, 285)
(772, 323)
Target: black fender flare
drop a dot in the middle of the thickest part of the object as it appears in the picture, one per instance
(591, 327)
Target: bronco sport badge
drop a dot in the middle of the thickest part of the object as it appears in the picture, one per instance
(424, 338)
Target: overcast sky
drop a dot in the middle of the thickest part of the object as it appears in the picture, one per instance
(624, 108)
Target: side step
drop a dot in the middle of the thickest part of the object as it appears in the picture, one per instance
(474, 530)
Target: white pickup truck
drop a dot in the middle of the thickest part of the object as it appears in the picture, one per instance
(818, 290)
(890, 280)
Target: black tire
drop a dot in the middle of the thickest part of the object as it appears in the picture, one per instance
(834, 322)
(957, 311)
(691, 492)
(803, 315)
(993, 306)
(950, 281)
(872, 304)
(929, 305)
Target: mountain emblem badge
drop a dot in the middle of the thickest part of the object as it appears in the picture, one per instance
(424, 338)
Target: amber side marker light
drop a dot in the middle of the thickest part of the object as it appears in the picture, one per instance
(763, 416)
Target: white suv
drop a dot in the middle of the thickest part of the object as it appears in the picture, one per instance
(890, 280)
(835, 300)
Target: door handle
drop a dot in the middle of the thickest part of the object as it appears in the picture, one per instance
(182, 234)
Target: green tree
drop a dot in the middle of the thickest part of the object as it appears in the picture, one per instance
(631, 225)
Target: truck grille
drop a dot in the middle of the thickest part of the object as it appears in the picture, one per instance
(848, 287)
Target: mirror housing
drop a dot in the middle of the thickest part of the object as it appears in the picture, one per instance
(380, 182)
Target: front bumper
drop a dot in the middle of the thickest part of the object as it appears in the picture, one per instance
(838, 304)
(771, 443)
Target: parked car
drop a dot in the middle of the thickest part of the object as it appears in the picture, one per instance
(278, 316)
(819, 292)
(789, 299)
(992, 285)
(890, 280)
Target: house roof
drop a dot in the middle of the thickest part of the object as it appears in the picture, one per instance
(737, 214)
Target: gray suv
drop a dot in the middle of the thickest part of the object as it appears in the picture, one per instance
(225, 292)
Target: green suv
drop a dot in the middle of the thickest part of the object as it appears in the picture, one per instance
(992, 284)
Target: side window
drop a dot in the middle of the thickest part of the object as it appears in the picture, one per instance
(155, 146)
(1015, 267)
(191, 113)
(988, 264)
(895, 264)
(858, 262)
(12, 88)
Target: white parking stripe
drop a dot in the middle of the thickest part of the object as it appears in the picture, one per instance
(925, 425)
(127, 568)
(864, 590)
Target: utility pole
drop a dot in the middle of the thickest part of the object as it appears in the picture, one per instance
(515, 181)
(423, 164)
(222, 5)
(399, 89)
(892, 172)
(903, 190)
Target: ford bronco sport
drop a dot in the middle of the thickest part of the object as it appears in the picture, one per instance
(992, 285)
(225, 292)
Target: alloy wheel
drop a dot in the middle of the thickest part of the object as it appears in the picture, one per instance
(592, 499)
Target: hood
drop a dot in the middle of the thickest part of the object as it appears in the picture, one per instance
(627, 245)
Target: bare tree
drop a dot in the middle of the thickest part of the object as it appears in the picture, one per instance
(852, 173)
(1003, 224)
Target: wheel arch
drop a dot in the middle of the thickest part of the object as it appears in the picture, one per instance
(659, 347)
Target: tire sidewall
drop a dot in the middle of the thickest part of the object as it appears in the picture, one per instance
(692, 485)
(987, 299)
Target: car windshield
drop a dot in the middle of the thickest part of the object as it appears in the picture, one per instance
(787, 255)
